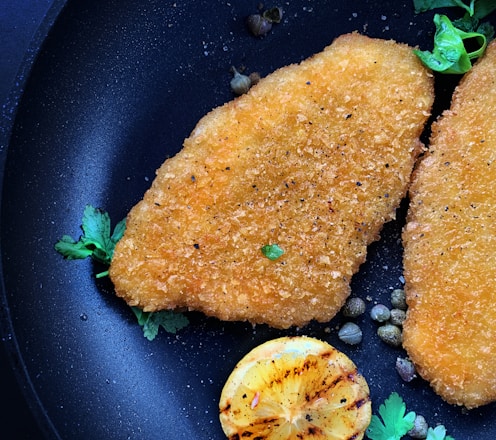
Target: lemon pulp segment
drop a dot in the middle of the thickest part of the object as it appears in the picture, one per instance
(295, 388)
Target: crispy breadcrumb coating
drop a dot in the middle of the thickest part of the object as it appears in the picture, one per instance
(450, 247)
(314, 158)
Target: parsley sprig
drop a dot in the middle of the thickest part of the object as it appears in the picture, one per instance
(450, 53)
(394, 422)
(426, 5)
(98, 243)
(438, 433)
(151, 322)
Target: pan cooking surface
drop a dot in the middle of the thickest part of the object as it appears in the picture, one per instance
(117, 87)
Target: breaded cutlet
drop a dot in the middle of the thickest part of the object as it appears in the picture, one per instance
(314, 159)
(450, 246)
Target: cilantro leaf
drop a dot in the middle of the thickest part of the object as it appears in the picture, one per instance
(272, 251)
(167, 319)
(96, 242)
(449, 54)
(438, 433)
(395, 424)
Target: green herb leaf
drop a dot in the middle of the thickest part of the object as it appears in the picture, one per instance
(96, 241)
(483, 8)
(472, 24)
(426, 5)
(450, 51)
(71, 249)
(119, 230)
(449, 54)
(486, 29)
(395, 424)
(272, 251)
(167, 319)
(438, 433)
(96, 229)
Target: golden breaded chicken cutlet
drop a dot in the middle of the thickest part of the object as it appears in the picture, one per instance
(312, 161)
(450, 247)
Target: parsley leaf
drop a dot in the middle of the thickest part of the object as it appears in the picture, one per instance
(472, 24)
(438, 433)
(72, 249)
(395, 424)
(450, 54)
(484, 7)
(452, 38)
(426, 5)
(272, 251)
(98, 243)
(170, 321)
(476, 8)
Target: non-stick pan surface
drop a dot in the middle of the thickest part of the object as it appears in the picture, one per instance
(116, 88)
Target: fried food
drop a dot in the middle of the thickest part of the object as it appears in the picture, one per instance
(450, 247)
(314, 159)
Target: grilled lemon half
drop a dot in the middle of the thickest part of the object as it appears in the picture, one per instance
(295, 388)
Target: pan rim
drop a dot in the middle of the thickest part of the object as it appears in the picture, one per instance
(7, 121)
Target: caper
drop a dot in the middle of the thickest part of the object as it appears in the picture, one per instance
(258, 25)
(398, 316)
(254, 78)
(240, 83)
(390, 334)
(354, 307)
(380, 313)
(420, 427)
(274, 15)
(405, 369)
(398, 299)
(350, 333)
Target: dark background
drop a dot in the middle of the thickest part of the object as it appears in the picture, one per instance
(20, 35)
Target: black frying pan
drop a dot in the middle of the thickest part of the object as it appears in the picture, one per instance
(116, 88)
